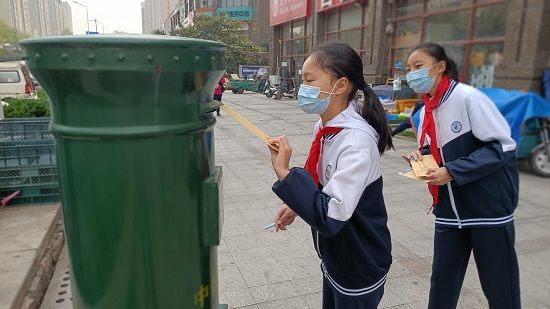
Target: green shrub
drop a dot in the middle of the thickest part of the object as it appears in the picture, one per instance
(26, 108)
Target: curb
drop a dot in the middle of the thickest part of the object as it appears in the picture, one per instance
(55, 241)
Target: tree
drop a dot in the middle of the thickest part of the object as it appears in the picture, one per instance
(10, 35)
(9, 39)
(240, 50)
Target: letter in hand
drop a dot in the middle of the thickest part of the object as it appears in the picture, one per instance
(280, 158)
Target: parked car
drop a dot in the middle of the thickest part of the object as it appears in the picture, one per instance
(15, 81)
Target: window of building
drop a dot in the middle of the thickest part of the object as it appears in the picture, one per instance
(346, 24)
(298, 29)
(407, 32)
(352, 37)
(350, 17)
(298, 46)
(472, 33)
(231, 3)
(483, 60)
(490, 21)
(447, 27)
(332, 21)
(446, 4)
(287, 31)
(207, 3)
(293, 36)
(409, 7)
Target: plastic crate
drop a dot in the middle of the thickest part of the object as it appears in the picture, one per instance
(34, 195)
(388, 104)
(27, 161)
(25, 129)
(27, 142)
(27, 155)
(20, 177)
(401, 104)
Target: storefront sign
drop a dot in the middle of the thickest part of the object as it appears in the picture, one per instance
(237, 13)
(287, 10)
(330, 4)
(248, 71)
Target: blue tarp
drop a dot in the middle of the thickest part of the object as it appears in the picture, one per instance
(516, 106)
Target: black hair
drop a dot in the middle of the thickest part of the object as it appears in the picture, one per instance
(438, 52)
(341, 60)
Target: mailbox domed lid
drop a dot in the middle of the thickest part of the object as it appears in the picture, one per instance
(123, 52)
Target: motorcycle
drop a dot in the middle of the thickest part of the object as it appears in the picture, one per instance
(286, 89)
(269, 89)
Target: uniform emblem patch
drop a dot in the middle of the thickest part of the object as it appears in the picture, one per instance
(456, 126)
(328, 172)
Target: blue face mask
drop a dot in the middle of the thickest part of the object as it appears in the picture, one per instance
(420, 81)
(308, 99)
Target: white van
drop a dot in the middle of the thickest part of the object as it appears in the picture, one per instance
(15, 81)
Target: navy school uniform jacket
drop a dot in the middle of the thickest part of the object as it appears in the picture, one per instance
(476, 146)
(346, 211)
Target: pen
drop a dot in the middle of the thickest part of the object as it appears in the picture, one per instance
(267, 227)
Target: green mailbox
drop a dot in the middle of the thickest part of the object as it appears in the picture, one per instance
(141, 196)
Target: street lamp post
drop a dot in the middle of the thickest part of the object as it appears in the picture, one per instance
(87, 16)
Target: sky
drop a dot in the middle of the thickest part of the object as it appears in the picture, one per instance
(119, 15)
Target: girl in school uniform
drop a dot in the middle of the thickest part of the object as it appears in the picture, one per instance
(475, 191)
(339, 191)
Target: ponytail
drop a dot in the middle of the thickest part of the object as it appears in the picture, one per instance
(450, 68)
(373, 112)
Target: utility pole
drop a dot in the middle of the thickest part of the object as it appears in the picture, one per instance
(95, 21)
(102, 25)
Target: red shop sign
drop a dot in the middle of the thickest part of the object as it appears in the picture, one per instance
(330, 4)
(286, 10)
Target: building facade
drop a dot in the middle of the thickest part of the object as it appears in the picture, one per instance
(16, 14)
(252, 14)
(150, 16)
(66, 18)
(496, 43)
(37, 18)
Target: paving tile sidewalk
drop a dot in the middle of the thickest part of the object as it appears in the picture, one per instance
(24, 234)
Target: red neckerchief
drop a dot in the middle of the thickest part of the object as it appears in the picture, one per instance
(315, 152)
(428, 126)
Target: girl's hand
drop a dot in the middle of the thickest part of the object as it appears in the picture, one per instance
(281, 158)
(413, 156)
(284, 217)
(438, 176)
